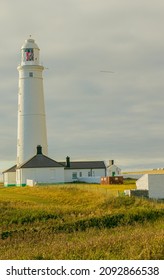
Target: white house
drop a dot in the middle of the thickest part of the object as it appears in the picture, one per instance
(9, 176)
(112, 169)
(40, 169)
(87, 171)
(154, 183)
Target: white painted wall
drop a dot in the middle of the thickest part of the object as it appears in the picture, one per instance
(40, 175)
(83, 172)
(96, 179)
(142, 183)
(154, 183)
(9, 178)
(113, 168)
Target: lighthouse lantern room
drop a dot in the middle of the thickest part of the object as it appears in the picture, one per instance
(30, 53)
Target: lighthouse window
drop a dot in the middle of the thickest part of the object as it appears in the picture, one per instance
(29, 55)
(30, 74)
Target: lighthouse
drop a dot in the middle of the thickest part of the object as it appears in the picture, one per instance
(31, 108)
(33, 166)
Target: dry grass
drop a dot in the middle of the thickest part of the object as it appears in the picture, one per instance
(146, 172)
(79, 222)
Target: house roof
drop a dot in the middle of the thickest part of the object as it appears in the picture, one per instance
(85, 165)
(11, 169)
(111, 166)
(40, 161)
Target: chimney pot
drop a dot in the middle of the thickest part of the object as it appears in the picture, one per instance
(39, 150)
(67, 161)
(111, 162)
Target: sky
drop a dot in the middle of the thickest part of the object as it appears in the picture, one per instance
(91, 114)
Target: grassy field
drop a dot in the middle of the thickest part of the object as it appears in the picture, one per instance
(152, 171)
(79, 222)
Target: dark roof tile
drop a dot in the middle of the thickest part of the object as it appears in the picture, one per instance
(39, 161)
(84, 164)
(11, 169)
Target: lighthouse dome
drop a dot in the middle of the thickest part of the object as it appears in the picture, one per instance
(30, 43)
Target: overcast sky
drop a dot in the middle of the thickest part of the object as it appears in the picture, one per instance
(91, 115)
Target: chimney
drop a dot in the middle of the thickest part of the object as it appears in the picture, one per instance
(111, 162)
(39, 150)
(67, 161)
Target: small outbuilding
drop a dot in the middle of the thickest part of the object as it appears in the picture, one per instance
(112, 180)
(154, 183)
(9, 176)
(112, 169)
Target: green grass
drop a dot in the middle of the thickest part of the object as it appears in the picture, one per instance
(79, 222)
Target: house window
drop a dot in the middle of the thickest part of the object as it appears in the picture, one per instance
(30, 74)
(89, 174)
(80, 174)
(74, 175)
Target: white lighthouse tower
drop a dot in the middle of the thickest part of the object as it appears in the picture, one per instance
(31, 109)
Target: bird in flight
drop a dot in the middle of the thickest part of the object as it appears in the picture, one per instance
(106, 71)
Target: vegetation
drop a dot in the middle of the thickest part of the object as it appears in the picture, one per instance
(79, 221)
